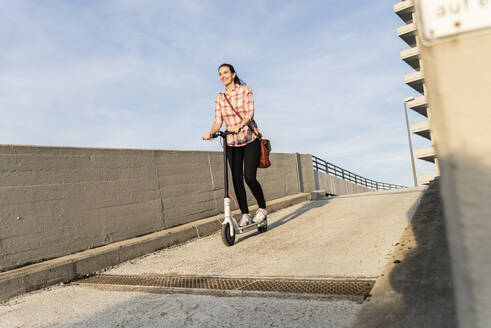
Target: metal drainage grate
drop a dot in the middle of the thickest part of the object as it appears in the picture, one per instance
(293, 286)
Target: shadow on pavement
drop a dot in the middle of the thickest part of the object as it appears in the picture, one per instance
(307, 206)
(416, 288)
(303, 209)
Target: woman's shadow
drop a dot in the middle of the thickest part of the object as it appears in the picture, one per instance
(307, 206)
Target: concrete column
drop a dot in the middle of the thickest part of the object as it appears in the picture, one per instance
(458, 75)
(299, 172)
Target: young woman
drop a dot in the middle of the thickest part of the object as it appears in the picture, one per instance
(244, 148)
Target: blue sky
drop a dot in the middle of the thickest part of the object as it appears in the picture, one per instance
(326, 75)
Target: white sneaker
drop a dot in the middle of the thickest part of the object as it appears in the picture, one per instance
(261, 214)
(245, 220)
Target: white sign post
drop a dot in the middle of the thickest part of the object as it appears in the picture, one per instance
(442, 18)
(456, 55)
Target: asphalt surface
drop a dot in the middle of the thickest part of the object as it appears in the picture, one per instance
(349, 236)
(77, 306)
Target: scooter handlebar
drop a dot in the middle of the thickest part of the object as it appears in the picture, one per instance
(218, 134)
(223, 133)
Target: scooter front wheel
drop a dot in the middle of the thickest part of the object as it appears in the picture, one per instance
(227, 239)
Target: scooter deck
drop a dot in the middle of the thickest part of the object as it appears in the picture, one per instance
(251, 226)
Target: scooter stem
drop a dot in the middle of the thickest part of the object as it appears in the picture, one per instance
(226, 208)
(228, 216)
(225, 167)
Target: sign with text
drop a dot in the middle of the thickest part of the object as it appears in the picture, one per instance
(441, 18)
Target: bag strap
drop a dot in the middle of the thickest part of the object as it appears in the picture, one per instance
(253, 131)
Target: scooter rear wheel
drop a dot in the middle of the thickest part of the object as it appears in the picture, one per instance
(226, 238)
(264, 227)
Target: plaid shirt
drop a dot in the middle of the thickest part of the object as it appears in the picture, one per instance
(241, 99)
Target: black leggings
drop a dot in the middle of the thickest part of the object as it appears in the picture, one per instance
(243, 164)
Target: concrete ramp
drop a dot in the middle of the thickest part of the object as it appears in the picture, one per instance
(349, 236)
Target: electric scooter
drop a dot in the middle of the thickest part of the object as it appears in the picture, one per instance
(230, 228)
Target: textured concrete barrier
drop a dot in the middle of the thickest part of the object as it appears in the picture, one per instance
(456, 69)
(56, 201)
(336, 186)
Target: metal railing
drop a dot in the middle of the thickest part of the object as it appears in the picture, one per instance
(334, 170)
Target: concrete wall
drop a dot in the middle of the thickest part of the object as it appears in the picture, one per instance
(458, 69)
(336, 186)
(56, 201)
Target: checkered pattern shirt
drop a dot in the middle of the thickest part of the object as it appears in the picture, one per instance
(241, 99)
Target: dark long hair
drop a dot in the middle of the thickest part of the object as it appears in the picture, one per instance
(232, 70)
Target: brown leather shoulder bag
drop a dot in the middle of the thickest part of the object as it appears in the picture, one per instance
(264, 161)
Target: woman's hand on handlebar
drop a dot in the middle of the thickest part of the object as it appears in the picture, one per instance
(210, 136)
(207, 136)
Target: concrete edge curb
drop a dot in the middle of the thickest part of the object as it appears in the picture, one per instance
(70, 267)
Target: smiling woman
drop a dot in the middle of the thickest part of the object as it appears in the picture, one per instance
(236, 108)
